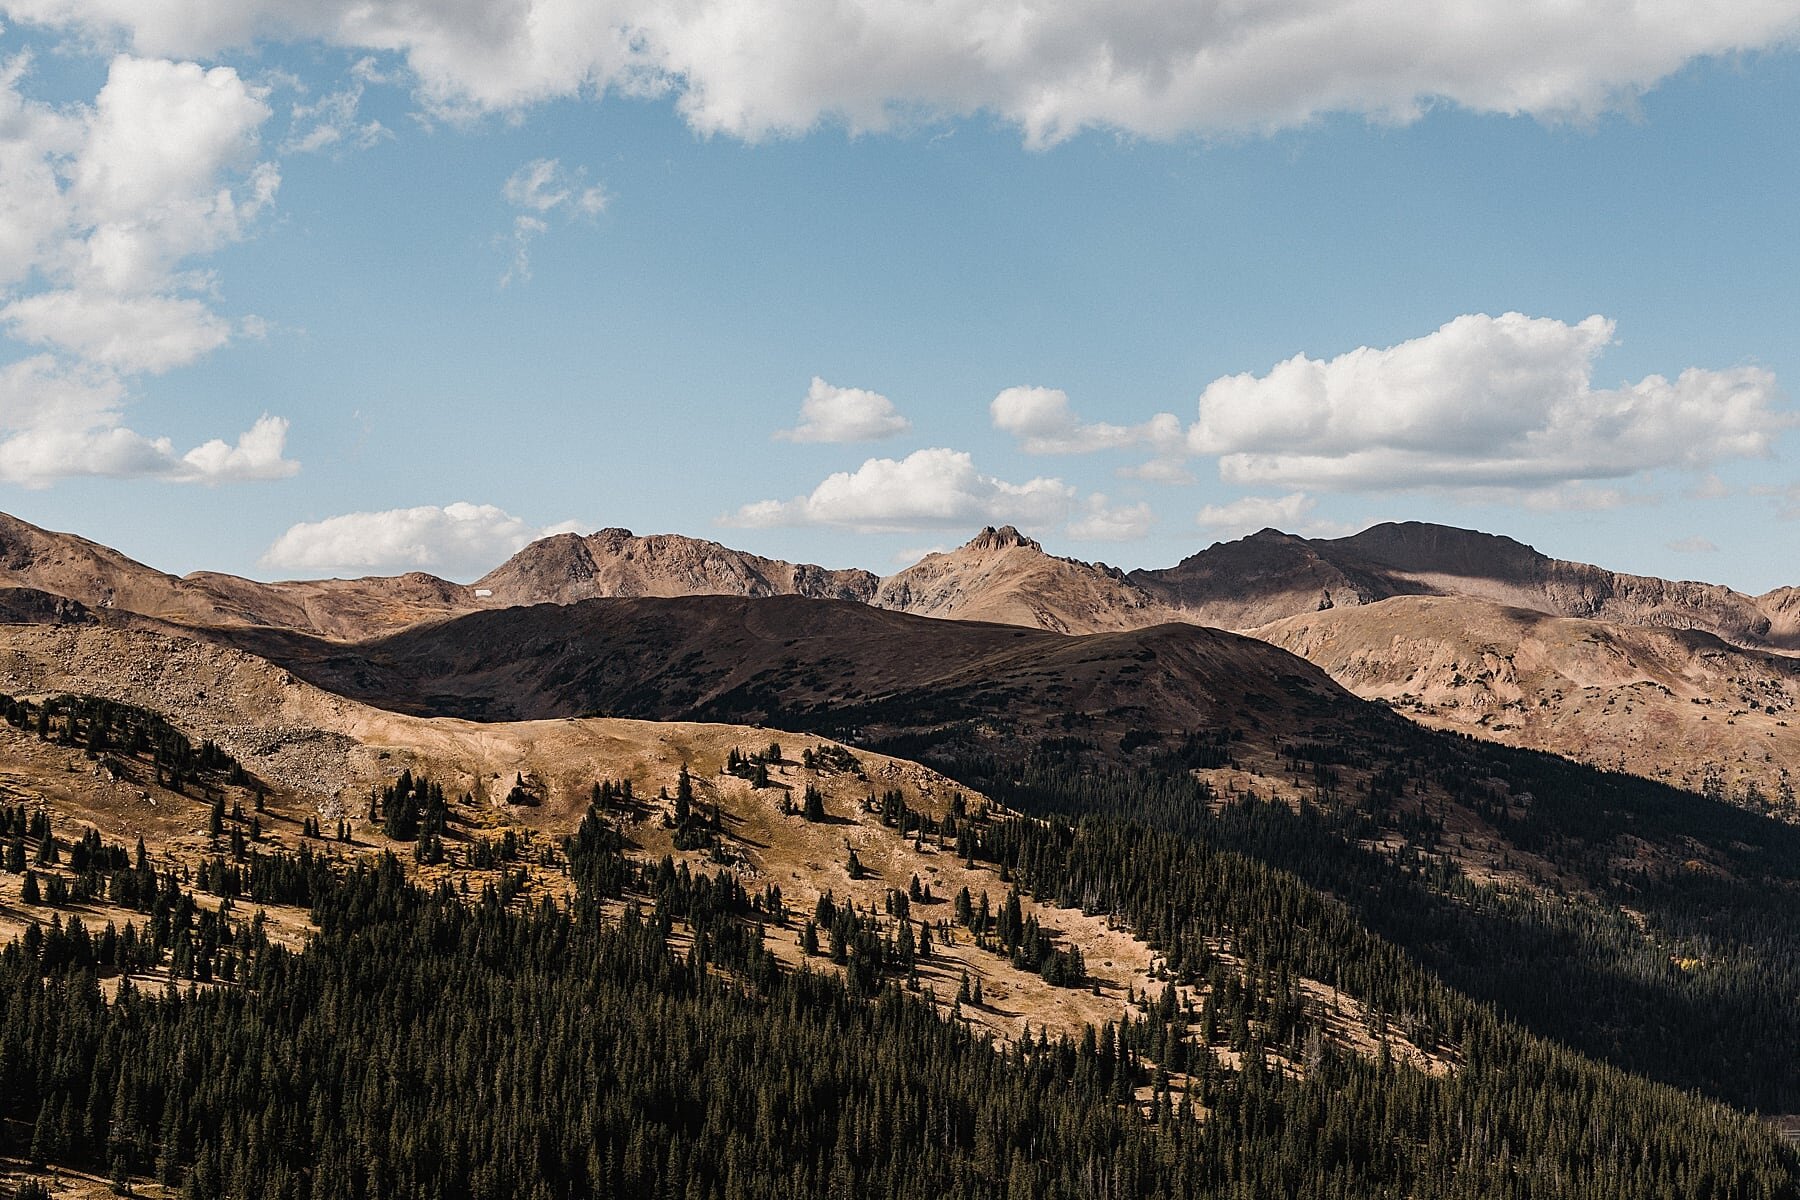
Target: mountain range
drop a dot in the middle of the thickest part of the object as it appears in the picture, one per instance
(1259, 863)
(1686, 682)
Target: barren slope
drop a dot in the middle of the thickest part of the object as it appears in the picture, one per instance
(567, 568)
(65, 565)
(1271, 575)
(1002, 575)
(1677, 705)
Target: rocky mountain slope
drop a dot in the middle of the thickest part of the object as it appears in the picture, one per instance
(1678, 705)
(102, 579)
(567, 568)
(1271, 575)
(1002, 575)
(1302, 594)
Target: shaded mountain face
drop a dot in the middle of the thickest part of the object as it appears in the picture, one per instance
(821, 665)
(1264, 577)
(1002, 575)
(568, 568)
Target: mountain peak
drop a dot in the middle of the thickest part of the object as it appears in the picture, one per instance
(1003, 538)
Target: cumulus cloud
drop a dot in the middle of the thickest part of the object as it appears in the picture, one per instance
(1044, 423)
(130, 333)
(107, 206)
(58, 422)
(838, 414)
(459, 540)
(1692, 545)
(538, 189)
(1102, 521)
(755, 68)
(1483, 402)
(935, 488)
(107, 203)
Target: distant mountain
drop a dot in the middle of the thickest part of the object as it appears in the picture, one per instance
(1002, 575)
(1261, 578)
(62, 564)
(1271, 575)
(568, 568)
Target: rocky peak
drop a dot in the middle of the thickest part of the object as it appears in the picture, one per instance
(1003, 538)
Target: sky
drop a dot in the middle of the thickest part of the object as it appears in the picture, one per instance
(361, 287)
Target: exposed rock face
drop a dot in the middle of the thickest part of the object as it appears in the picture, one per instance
(28, 606)
(1001, 575)
(1679, 705)
(1782, 607)
(568, 568)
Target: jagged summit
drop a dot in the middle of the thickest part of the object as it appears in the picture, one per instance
(1002, 575)
(1003, 538)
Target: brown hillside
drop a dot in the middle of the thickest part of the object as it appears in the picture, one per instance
(826, 665)
(1272, 575)
(568, 568)
(1678, 705)
(1002, 575)
(101, 579)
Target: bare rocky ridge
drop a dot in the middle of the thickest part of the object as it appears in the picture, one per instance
(567, 568)
(1271, 575)
(1295, 591)
(1002, 575)
(102, 579)
(1262, 578)
(1678, 705)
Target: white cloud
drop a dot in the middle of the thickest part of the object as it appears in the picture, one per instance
(1102, 521)
(544, 185)
(1044, 423)
(755, 68)
(58, 422)
(1483, 402)
(109, 203)
(838, 414)
(1247, 514)
(935, 488)
(460, 539)
(129, 333)
(1692, 545)
(540, 188)
(333, 122)
(257, 455)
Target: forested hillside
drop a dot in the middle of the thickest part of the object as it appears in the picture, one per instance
(591, 1054)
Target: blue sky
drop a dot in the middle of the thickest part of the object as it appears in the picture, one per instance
(352, 289)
